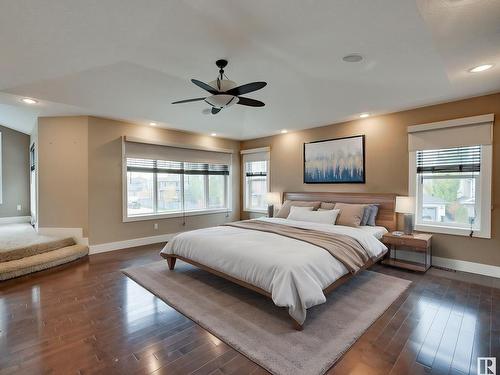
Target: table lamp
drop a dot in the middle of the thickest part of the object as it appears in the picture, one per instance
(406, 206)
(272, 199)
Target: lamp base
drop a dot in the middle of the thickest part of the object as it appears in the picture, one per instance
(270, 210)
(408, 224)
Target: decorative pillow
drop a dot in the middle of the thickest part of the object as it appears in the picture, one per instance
(327, 206)
(321, 216)
(373, 215)
(299, 209)
(367, 213)
(285, 209)
(350, 214)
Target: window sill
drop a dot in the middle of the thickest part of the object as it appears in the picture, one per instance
(172, 215)
(255, 211)
(450, 230)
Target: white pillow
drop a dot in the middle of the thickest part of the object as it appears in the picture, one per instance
(300, 208)
(324, 217)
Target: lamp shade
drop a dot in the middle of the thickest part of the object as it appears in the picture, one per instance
(405, 205)
(273, 198)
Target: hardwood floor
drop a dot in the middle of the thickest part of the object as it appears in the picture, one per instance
(87, 317)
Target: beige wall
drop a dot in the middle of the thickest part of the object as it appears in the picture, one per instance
(387, 164)
(105, 181)
(63, 172)
(15, 173)
(80, 177)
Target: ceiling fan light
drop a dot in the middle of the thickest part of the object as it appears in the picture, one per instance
(222, 100)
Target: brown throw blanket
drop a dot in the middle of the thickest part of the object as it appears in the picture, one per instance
(345, 249)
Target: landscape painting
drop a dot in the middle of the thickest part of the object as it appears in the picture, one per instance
(332, 161)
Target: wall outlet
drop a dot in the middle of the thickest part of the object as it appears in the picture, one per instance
(19, 207)
(155, 226)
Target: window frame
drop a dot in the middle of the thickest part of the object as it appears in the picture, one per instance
(1, 175)
(265, 151)
(175, 214)
(484, 194)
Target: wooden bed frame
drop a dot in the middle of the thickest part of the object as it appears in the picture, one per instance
(386, 217)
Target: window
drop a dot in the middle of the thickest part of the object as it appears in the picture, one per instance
(450, 175)
(166, 188)
(256, 180)
(448, 187)
(0, 167)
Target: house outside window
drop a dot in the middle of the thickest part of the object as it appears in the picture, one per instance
(160, 188)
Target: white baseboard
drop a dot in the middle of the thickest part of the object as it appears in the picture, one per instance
(462, 265)
(15, 219)
(76, 233)
(453, 264)
(118, 245)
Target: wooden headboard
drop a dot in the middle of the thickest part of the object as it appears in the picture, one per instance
(386, 216)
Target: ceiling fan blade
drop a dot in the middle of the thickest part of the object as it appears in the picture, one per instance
(188, 100)
(250, 102)
(215, 110)
(205, 86)
(245, 89)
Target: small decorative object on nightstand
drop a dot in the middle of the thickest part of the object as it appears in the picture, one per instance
(272, 199)
(416, 243)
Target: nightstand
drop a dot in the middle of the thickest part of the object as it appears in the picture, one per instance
(417, 243)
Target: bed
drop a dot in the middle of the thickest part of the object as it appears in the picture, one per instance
(265, 255)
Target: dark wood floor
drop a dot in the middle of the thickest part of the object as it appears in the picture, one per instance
(87, 317)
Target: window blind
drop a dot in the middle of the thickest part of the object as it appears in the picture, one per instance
(256, 168)
(463, 132)
(175, 154)
(450, 160)
(175, 167)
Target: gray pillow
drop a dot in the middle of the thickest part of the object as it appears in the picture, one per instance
(369, 215)
(373, 215)
(366, 215)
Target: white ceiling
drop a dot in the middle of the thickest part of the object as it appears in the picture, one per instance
(129, 59)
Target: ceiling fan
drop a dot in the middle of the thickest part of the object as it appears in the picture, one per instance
(225, 93)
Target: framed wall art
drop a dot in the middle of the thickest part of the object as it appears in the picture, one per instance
(333, 161)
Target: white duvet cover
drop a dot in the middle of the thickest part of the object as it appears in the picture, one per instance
(294, 272)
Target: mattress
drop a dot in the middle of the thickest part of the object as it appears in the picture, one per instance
(294, 272)
(376, 231)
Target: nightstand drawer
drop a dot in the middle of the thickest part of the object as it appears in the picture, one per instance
(406, 241)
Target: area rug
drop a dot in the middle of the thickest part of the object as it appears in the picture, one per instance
(254, 326)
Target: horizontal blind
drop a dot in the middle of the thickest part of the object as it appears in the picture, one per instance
(449, 160)
(256, 168)
(175, 167)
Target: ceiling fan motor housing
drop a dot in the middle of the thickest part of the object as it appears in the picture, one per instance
(221, 100)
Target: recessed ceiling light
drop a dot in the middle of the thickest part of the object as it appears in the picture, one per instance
(364, 115)
(29, 101)
(153, 123)
(213, 134)
(284, 131)
(353, 57)
(480, 68)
